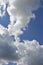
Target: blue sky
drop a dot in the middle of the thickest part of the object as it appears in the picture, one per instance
(35, 28)
(5, 20)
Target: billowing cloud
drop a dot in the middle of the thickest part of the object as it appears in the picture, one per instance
(20, 12)
(26, 52)
(7, 50)
(31, 52)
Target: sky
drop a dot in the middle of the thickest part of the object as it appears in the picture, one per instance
(21, 32)
(35, 28)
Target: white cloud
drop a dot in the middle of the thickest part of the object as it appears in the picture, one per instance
(3, 30)
(27, 52)
(21, 12)
(31, 52)
(2, 8)
(7, 48)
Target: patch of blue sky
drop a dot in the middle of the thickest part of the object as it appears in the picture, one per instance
(5, 20)
(35, 28)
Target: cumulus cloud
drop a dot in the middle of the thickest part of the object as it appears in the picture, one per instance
(26, 52)
(20, 12)
(7, 50)
(31, 52)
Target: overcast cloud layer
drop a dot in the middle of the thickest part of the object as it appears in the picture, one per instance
(11, 49)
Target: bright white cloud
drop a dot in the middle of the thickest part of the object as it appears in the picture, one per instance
(21, 12)
(31, 52)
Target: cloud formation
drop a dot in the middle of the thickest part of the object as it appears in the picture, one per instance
(20, 12)
(31, 52)
(26, 52)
